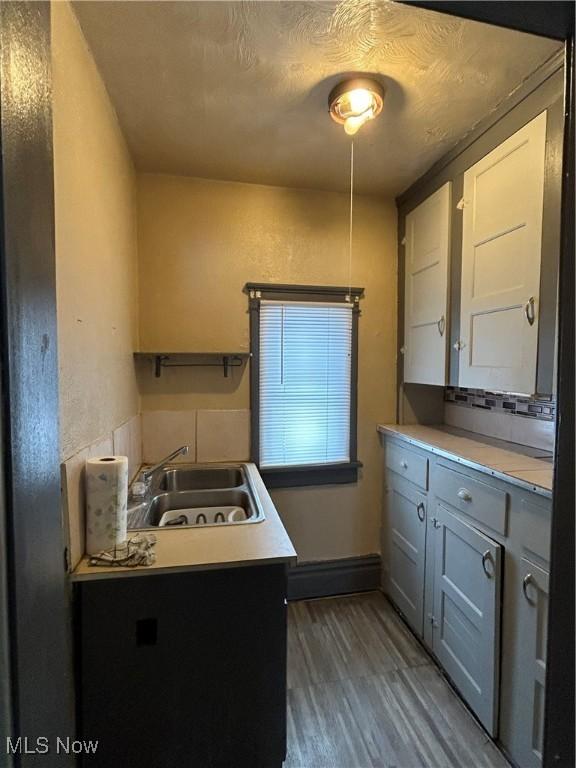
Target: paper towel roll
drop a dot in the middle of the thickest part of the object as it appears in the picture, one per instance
(106, 502)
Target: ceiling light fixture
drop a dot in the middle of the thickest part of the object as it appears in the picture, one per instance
(353, 102)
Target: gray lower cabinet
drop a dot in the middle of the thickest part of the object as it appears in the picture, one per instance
(466, 614)
(465, 560)
(533, 624)
(407, 532)
(524, 667)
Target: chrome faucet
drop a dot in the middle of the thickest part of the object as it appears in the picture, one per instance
(147, 473)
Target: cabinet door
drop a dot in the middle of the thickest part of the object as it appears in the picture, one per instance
(407, 519)
(532, 628)
(466, 617)
(501, 249)
(426, 289)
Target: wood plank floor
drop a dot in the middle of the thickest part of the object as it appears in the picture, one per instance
(363, 694)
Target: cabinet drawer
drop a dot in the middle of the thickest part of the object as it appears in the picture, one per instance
(480, 501)
(408, 464)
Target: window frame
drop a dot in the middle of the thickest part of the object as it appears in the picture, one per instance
(309, 474)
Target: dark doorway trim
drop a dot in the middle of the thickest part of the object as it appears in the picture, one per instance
(559, 716)
(40, 637)
(538, 17)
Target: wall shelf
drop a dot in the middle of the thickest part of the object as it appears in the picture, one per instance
(224, 360)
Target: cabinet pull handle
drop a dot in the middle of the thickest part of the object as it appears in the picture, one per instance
(421, 511)
(404, 464)
(526, 582)
(441, 325)
(464, 494)
(487, 558)
(530, 311)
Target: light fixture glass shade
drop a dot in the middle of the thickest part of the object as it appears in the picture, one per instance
(353, 123)
(353, 102)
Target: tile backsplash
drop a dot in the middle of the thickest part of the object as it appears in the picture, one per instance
(519, 405)
(223, 435)
(165, 431)
(213, 435)
(516, 418)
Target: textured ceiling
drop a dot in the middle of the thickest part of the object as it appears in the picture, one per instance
(238, 90)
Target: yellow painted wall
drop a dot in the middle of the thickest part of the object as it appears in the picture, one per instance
(200, 241)
(96, 254)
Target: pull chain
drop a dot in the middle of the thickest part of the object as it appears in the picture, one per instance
(351, 220)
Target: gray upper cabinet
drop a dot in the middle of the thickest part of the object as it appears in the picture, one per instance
(407, 509)
(466, 620)
(427, 248)
(503, 184)
(501, 255)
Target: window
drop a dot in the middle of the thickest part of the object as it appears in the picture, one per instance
(303, 383)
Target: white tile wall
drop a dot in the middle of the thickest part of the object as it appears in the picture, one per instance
(136, 442)
(127, 441)
(104, 446)
(223, 435)
(459, 417)
(164, 431)
(74, 504)
(121, 442)
(534, 432)
(524, 430)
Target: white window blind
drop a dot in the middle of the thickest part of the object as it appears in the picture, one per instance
(305, 380)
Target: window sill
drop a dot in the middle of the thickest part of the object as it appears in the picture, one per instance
(314, 474)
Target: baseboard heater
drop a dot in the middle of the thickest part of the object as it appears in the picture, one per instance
(334, 577)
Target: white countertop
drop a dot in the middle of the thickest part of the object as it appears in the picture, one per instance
(186, 549)
(491, 456)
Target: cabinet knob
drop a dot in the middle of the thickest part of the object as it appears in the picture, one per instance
(464, 494)
(530, 311)
(421, 511)
(487, 558)
(404, 464)
(527, 581)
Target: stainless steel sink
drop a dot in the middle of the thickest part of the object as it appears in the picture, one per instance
(201, 479)
(198, 503)
(187, 496)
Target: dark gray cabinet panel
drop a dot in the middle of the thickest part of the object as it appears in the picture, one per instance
(466, 624)
(185, 669)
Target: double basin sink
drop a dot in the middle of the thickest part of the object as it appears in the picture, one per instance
(187, 496)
